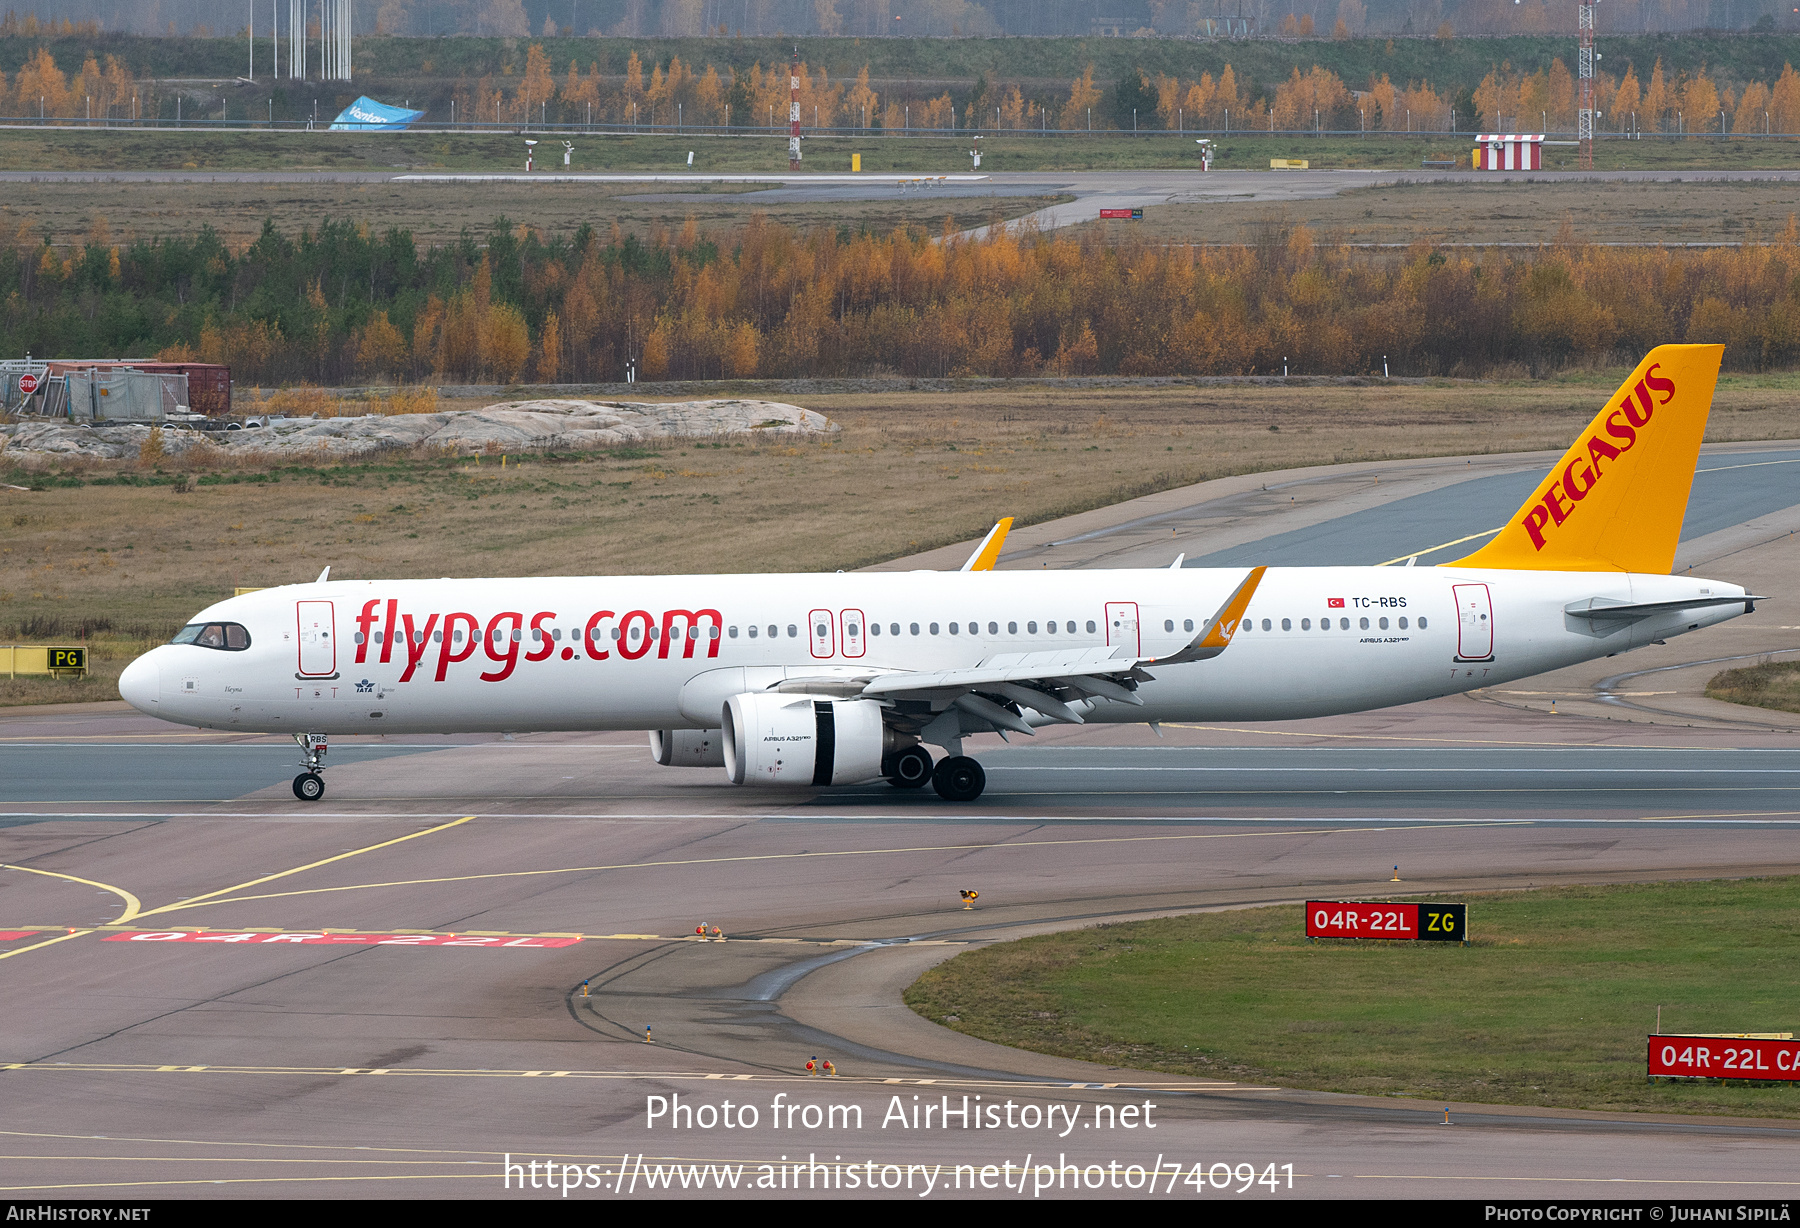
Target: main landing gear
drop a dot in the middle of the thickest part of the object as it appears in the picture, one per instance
(958, 779)
(309, 786)
(955, 779)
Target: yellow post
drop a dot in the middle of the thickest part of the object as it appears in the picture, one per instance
(855, 162)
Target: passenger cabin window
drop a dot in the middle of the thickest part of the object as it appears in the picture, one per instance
(1187, 624)
(1266, 626)
(793, 631)
(1421, 622)
(1287, 624)
(1306, 624)
(1031, 628)
(1091, 627)
(952, 629)
(227, 637)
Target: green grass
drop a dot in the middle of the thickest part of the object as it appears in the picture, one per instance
(214, 150)
(1549, 1006)
(1773, 684)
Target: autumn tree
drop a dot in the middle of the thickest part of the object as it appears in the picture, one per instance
(1084, 96)
(861, 105)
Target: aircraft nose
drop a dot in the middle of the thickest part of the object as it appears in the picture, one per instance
(140, 683)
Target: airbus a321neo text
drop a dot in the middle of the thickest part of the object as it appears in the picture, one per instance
(845, 679)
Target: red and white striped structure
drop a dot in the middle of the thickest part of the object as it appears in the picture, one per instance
(794, 112)
(1511, 151)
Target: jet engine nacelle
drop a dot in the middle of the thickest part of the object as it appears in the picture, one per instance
(687, 747)
(773, 738)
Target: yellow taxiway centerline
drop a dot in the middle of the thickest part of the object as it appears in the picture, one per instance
(132, 903)
(194, 901)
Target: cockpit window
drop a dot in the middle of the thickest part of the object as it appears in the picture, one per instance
(228, 637)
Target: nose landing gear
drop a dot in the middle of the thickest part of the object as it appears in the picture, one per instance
(309, 786)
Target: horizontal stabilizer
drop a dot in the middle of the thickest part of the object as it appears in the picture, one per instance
(1606, 609)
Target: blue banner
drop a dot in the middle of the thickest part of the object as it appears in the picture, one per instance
(367, 115)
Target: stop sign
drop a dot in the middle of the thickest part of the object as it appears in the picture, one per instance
(28, 384)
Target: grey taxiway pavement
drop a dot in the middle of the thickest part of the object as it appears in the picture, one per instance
(213, 990)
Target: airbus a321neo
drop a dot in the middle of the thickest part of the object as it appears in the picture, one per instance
(844, 679)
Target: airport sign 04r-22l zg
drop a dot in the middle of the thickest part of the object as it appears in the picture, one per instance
(1393, 922)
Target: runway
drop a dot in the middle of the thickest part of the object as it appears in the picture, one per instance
(215, 991)
(1091, 190)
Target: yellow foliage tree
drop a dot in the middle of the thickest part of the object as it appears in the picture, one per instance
(537, 87)
(381, 348)
(1784, 101)
(1658, 99)
(549, 360)
(508, 342)
(1700, 104)
(1084, 96)
(862, 104)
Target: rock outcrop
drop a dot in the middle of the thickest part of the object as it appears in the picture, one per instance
(516, 426)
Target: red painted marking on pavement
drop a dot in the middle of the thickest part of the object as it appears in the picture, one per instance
(10, 935)
(320, 940)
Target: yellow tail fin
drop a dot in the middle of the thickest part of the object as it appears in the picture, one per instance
(1616, 499)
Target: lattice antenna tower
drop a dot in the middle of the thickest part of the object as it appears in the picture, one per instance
(1584, 83)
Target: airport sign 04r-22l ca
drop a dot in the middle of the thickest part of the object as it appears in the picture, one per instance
(1393, 922)
(1724, 1057)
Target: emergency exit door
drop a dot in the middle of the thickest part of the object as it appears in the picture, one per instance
(823, 639)
(318, 651)
(1474, 622)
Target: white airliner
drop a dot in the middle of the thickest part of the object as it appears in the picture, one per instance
(845, 679)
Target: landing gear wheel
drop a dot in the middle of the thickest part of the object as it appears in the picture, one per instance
(958, 779)
(910, 769)
(309, 786)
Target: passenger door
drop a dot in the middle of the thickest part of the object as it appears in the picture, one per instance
(1122, 625)
(1474, 622)
(318, 651)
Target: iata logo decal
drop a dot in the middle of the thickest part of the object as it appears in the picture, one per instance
(1582, 474)
(364, 687)
(508, 637)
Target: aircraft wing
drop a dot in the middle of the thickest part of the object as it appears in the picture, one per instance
(999, 688)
